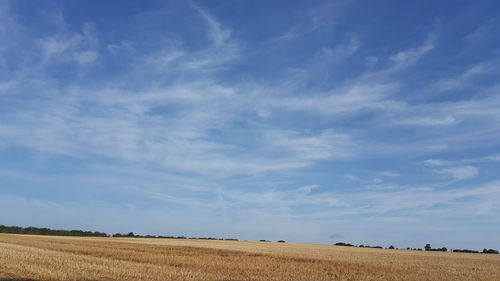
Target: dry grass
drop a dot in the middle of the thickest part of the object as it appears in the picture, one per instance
(65, 258)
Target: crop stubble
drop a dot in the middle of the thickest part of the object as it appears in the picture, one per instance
(25, 257)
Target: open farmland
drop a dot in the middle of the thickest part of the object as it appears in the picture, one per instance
(68, 258)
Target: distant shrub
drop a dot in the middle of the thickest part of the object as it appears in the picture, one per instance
(344, 244)
(444, 249)
(465, 251)
(490, 251)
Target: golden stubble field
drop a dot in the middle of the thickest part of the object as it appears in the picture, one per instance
(67, 258)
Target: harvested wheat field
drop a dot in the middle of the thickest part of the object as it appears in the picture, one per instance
(67, 258)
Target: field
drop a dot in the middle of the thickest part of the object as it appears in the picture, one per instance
(25, 257)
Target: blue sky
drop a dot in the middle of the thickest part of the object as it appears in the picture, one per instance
(370, 122)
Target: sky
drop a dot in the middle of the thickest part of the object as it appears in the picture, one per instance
(368, 122)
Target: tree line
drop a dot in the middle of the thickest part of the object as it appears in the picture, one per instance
(427, 247)
(132, 235)
(47, 231)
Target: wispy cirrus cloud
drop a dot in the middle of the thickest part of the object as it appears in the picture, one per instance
(323, 16)
(389, 174)
(459, 173)
(461, 81)
(454, 170)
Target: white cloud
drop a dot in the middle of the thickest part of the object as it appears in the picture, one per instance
(410, 57)
(454, 170)
(482, 34)
(436, 162)
(495, 158)
(317, 18)
(68, 46)
(425, 121)
(459, 173)
(352, 99)
(222, 50)
(218, 34)
(389, 174)
(332, 56)
(85, 57)
(122, 46)
(308, 188)
(464, 79)
(352, 177)
(323, 145)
